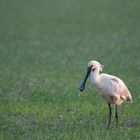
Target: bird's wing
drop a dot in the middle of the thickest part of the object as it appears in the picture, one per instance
(120, 88)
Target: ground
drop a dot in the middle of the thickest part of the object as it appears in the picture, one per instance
(44, 50)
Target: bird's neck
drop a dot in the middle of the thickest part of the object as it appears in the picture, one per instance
(95, 76)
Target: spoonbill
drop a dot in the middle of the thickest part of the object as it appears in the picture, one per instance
(110, 88)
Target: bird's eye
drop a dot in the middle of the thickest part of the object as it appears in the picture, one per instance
(91, 66)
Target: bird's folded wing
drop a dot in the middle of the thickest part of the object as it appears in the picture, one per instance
(120, 88)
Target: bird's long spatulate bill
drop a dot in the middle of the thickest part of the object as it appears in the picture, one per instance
(82, 87)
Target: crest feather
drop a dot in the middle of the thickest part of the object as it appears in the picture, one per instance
(101, 67)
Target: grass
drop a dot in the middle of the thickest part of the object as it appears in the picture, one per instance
(44, 50)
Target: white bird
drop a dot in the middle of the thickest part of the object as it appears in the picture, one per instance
(111, 88)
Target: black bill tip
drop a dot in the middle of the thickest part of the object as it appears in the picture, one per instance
(82, 87)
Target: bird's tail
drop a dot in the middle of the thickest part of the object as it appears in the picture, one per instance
(129, 99)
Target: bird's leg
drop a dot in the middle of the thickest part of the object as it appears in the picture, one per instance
(109, 115)
(116, 115)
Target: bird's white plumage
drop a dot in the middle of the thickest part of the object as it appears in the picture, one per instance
(111, 88)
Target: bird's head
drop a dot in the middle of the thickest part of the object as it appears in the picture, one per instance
(92, 66)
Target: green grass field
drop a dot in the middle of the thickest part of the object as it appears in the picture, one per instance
(44, 50)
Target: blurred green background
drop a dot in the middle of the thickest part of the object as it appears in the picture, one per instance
(44, 50)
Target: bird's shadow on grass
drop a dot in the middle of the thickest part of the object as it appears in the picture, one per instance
(126, 124)
(130, 123)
